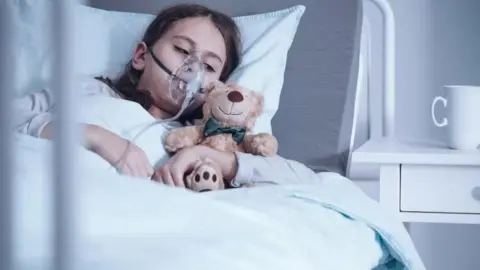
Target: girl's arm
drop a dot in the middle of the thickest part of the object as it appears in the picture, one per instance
(241, 168)
(34, 117)
(254, 169)
(33, 111)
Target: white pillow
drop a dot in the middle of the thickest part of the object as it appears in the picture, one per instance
(266, 41)
(105, 40)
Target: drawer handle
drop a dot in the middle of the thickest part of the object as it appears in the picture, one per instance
(476, 193)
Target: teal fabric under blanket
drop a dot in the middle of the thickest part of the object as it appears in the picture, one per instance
(343, 196)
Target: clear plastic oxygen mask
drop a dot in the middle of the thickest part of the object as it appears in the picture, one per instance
(184, 84)
(187, 81)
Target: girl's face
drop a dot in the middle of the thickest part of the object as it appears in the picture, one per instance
(197, 36)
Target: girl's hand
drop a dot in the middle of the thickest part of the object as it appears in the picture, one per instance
(172, 172)
(124, 155)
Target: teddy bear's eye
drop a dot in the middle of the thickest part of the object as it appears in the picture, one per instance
(214, 178)
(197, 178)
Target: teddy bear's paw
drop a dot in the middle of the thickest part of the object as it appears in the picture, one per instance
(264, 144)
(205, 178)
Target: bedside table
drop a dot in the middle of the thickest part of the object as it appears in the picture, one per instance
(425, 183)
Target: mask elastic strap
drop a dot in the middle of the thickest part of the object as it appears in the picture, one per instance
(168, 71)
(162, 66)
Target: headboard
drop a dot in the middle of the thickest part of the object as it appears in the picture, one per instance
(315, 116)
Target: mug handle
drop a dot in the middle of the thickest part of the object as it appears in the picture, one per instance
(445, 120)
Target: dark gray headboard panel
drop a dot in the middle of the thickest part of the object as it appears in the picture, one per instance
(320, 79)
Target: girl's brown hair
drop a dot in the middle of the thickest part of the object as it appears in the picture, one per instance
(126, 84)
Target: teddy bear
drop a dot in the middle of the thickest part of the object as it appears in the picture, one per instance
(229, 115)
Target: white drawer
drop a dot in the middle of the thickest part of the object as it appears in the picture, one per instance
(440, 189)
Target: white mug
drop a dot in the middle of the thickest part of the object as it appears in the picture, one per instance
(462, 104)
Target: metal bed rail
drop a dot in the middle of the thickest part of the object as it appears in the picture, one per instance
(389, 87)
(6, 140)
(65, 136)
(65, 133)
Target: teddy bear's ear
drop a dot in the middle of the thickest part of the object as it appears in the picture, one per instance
(209, 88)
(212, 86)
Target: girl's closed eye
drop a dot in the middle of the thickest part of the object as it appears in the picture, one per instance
(186, 53)
(181, 50)
(209, 68)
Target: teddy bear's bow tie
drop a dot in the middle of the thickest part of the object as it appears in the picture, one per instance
(212, 128)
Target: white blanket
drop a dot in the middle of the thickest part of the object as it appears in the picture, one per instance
(126, 223)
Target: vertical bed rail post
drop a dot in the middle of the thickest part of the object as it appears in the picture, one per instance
(6, 139)
(388, 67)
(65, 134)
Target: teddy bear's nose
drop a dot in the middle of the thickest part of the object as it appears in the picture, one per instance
(235, 96)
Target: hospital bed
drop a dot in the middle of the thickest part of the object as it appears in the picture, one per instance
(83, 218)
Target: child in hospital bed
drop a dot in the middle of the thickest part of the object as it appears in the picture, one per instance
(174, 34)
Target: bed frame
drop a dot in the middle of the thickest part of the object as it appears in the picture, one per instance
(66, 132)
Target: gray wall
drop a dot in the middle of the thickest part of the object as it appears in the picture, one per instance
(437, 42)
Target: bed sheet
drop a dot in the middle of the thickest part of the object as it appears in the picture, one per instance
(127, 223)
